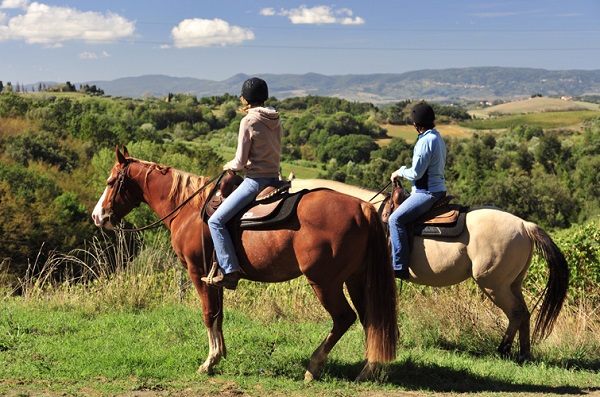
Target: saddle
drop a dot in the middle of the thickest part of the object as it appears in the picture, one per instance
(273, 205)
(442, 220)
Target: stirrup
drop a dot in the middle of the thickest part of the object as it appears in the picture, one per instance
(214, 271)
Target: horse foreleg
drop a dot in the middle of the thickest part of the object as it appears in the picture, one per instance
(343, 317)
(212, 309)
(216, 349)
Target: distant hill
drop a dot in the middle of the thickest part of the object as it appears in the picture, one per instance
(535, 105)
(480, 83)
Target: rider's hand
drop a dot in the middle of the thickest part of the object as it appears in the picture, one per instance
(394, 176)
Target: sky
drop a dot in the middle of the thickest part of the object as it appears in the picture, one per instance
(89, 40)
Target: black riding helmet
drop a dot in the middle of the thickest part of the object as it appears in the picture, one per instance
(422, 114)
(255, 90)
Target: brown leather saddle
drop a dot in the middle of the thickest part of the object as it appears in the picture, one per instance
(442, 220)
(272, 206)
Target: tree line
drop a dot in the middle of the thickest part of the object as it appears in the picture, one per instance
(56, 150)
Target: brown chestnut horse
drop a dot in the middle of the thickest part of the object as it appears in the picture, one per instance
(333, 239)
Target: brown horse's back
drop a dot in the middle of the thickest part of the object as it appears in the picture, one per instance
(326, 224)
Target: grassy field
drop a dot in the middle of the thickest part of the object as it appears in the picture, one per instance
(570, 119)
(534, 105)
(69, 351)
(408, 133)
(138, 331)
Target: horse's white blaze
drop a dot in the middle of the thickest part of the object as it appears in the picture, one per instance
(98, 215)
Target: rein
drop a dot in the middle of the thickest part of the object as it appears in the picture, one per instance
(159, 222)
(381, 191)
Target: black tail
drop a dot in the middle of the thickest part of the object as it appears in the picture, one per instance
(558, 282)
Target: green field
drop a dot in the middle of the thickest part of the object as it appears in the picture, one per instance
(138, 331)
(66, 350)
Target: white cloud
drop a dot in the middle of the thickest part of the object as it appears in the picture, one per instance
(317, 15)
(51, 26)
(14, 4)
(199, 32)
(268, 12)
(93, 55)
(88, 55)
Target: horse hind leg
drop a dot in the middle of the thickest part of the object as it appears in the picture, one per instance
(334, 301)
(525, 327)
(514, 307)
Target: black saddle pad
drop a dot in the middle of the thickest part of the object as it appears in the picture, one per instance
(285, 209)
(443, 230)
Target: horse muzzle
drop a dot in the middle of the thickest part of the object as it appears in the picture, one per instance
(103, 219)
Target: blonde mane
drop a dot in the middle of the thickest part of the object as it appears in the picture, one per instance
(183, 183)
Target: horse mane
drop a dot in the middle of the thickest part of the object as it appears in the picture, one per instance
(183, 184)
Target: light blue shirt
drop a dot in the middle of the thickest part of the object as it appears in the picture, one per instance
(428, 163)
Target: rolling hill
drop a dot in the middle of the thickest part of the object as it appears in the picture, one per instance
(444, 85)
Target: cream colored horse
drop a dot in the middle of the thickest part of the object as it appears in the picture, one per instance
(495, 250)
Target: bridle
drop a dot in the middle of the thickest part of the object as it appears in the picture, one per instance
(117, 189)
(121, 176)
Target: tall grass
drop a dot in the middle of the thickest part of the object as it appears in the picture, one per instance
(119, 274)
(114, 275)
(130, 304)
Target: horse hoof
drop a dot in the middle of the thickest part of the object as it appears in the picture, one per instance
(309, 377)
(204, 370)
(524, 358)
(368, 372)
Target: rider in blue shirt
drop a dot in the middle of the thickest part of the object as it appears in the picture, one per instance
(428, 184)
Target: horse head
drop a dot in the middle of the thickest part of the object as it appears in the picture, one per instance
(121, 195)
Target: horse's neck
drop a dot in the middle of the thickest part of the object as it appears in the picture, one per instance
(155, 187)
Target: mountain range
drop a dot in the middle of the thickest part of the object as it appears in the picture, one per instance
(442, 85)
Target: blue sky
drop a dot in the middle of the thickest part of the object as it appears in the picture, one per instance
(83, 40)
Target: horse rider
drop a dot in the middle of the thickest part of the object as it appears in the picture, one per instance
(258, 156)
(427, 181)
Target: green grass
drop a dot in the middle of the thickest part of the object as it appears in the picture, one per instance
(127, 332)
(62, 350)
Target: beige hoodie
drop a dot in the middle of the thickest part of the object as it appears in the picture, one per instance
(259, 144)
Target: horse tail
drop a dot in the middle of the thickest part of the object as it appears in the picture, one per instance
(381, 316)
(558, 281)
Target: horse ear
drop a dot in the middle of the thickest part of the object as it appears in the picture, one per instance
(120, 157)
(125, 152)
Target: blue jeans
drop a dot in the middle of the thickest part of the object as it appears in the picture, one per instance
(240, 198)
(413, 207)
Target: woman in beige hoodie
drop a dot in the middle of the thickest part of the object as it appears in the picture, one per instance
(258, 156)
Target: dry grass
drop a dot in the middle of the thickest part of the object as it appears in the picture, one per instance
(534, 105)
(408, 133)
(13, 126)
(113, 277)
